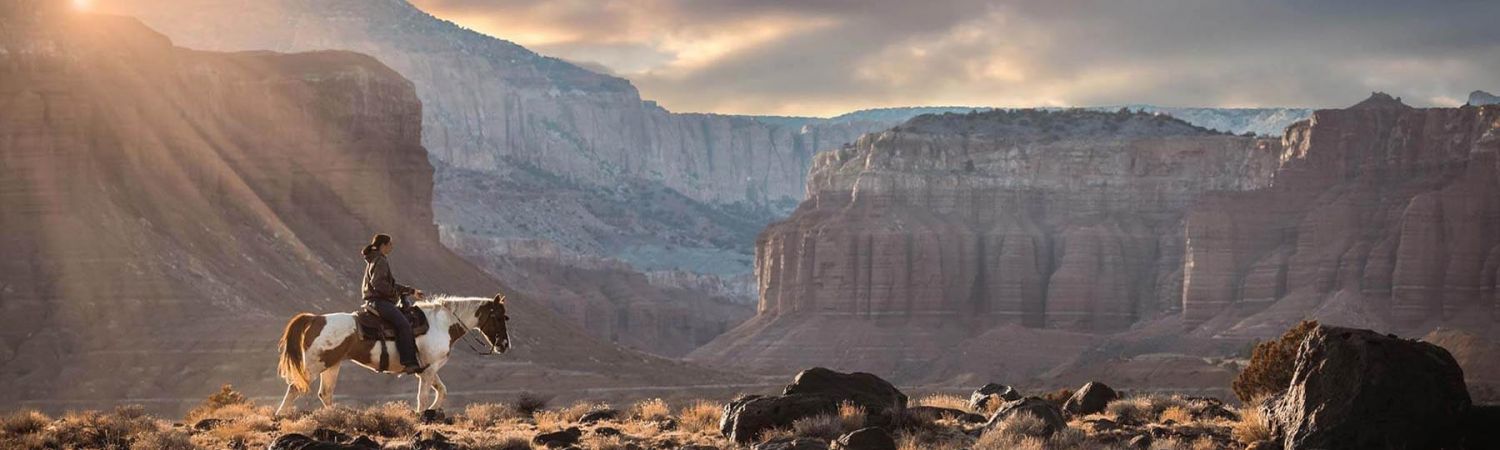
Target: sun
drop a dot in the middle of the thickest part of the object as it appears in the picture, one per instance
(82, 5)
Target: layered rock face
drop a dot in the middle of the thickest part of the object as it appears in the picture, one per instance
(1380, 214)
(166, 210)
(1060, 220)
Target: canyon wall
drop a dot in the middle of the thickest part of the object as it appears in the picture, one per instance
(1379, 214)
(1055, 219)
(166, 210)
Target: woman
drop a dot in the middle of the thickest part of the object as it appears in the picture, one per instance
(382, 293)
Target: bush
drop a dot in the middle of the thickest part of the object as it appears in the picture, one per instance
(170, 439)
(225, 397)
(822, 426)
(1252, 426)
(1271, 365)
(1058, 397)
(388, 420)
(22, 423)
(485, 415)
(700, 417)
(529, 403)
(945, 401)
(653, 409)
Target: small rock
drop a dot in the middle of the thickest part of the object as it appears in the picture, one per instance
(981, 398)
(666, 424)
(869, 438)
(431, 440)
(1262, 445)
(558, 439)
(1090, 399)
(599, 415)
(1143, 441)
(296, 441)
(327, 435)
(792, 444)
(435, 416)
(607, 431)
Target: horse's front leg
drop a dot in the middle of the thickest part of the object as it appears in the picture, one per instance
(440, 389)
(423, 380)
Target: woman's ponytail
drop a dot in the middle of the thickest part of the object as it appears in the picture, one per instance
(376, 242)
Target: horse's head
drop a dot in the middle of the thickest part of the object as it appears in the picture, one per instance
(491, 323)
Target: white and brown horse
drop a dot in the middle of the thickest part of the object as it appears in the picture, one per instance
(315, 345)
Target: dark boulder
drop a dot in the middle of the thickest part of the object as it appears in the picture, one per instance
(607, 431)
(1142, 442)
(296, 441)
(933, 413)
(1051, 416)
(432, 440)
(207, 424)
(869, 438)
(981, 398)
(814, 392)
(558, 439)
(1355, 389)
(792, 444)
(599, 415)
(327, 435)
(435, 416)
(1090, 399)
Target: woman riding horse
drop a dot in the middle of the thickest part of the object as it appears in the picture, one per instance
(382, 293)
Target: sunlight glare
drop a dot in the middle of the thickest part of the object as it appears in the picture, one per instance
(82, 5)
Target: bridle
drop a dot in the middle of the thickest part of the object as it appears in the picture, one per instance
(467, 329)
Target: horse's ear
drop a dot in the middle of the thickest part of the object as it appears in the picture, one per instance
(500, 298)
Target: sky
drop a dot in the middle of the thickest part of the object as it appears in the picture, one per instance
(826, 57)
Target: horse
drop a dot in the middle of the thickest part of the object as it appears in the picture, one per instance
(315, 345)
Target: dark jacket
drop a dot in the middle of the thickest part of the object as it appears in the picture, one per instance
(378, 283)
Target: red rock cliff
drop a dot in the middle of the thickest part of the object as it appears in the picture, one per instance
(1379, 214)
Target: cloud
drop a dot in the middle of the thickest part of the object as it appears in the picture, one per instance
(824, 57)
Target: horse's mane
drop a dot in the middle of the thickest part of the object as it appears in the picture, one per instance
(437, 300)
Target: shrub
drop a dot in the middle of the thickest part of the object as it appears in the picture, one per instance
(529, 403)
(1058, 397)
(851, 416)
(225, 397)
(170, 439)
(945, 401)
(1176, 414)
(486, 415)
(700, 417)
(1271, 364)
(822, 426)
(93, 429)
(21, 423)
(388, 420)
(653, 409)
(511, 441)
(1252, 426)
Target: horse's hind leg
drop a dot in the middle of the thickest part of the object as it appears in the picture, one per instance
(326, 382)
(442, 392)
(288, 401)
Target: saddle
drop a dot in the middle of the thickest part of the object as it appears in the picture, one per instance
(373, 328)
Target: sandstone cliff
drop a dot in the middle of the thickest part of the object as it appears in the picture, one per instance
(1380, 214)
(997, 242)
(166, 210)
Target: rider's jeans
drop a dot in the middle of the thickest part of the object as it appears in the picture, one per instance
(406, 342)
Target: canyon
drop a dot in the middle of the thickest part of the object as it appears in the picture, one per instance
(544, 166)
(166, 211)
(1045, 244)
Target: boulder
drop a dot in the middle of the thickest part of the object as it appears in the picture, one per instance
(1354, 388)
(1036, 406)
(1090, 399)
(435, 416)
(558, 439)
(432, 440)
(981, 398)
(813, 392)
(296, 441)
(1142, 442)
(792, 444)
(207, 424)
(607, 431)
(868, 438)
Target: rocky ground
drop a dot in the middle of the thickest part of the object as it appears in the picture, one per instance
(1316, 387)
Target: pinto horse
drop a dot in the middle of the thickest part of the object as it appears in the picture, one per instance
(315, 345)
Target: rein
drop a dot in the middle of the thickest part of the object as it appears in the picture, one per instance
(467, 330)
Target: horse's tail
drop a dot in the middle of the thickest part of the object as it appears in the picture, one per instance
(291, 368)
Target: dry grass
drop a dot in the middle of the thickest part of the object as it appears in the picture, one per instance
(495, 441)
(22, 423)
(852, 416)
(1175, 414)
(170, 439)
(388, 420)
(945, 401)
(1143, 408)
(701, 416)
(774, 434)
(529, 403)
(486, 415)
(822, 426)
(1251, 427)
(653, 409)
